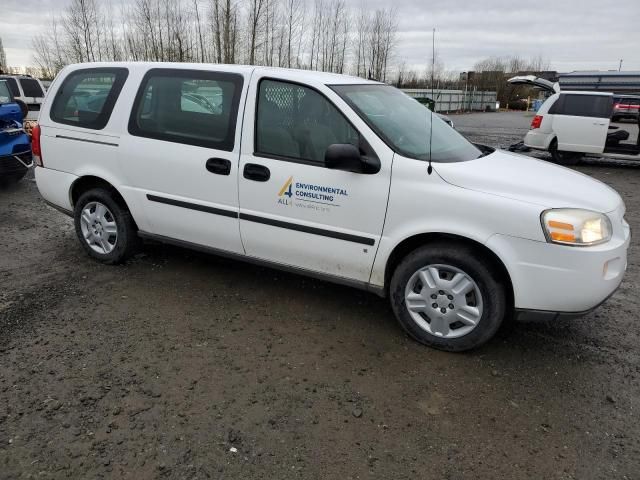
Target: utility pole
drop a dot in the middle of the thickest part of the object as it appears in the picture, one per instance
(620, 66)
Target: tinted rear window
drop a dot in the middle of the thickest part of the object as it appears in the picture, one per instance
(31, 87)
(86, 97)
(599, 106)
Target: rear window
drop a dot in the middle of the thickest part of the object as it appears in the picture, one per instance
(31, 87)
(86, 97)
(194, 107)
(598, 106)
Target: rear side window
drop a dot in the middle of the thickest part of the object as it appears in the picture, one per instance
(598, 106)
(31, 87)
(13, 85)
(86, 97)
(194, 107)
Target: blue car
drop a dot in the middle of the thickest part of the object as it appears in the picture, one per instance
(15, 146)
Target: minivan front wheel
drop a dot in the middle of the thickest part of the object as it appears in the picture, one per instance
(446, 297)
(105, 229)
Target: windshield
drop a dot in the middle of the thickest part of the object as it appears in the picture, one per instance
(5, 93)
(405, 125)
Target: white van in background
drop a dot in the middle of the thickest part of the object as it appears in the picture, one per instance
(572, 124)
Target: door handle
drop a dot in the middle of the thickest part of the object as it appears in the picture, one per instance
(257, 173)
(219, 166)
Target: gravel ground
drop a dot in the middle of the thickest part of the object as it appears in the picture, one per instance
(181, 365)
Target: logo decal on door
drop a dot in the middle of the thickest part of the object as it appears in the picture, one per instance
(310, 196)
(286, 189)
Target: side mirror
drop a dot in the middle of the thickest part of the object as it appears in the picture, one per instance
(344, 156)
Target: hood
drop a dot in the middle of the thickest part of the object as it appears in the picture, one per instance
(530, 180)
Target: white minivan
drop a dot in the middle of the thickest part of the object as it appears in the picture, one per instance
(332, 176)
(571, 125)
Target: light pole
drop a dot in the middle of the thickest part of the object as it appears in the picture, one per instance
(620, 66)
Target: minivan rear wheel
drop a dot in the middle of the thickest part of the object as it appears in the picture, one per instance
(446, 297)
(564, 158)
(105, 228)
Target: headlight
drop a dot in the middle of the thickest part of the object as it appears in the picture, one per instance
(571, 226)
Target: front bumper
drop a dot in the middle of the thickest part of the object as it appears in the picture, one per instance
(551, 280)
(546, 316)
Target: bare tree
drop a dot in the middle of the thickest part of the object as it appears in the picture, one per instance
(294, 18)
(256, 23)
(199, 29)
(269, 32)
(382, 37)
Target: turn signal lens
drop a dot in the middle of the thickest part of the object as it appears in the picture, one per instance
(563, 237)
(571, 226)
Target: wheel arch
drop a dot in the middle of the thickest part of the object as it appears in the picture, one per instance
(410, 244)
(87, 182)
(552, 138)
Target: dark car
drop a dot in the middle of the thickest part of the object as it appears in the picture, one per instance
(15, 146)
(625, 106)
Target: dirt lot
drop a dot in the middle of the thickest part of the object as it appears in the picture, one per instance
(180, 365)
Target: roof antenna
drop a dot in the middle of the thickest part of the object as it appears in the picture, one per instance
(433, 67)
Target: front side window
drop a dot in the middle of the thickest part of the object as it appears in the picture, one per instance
(296, 122)
(31, 88)
(86, 97)
(407, 126)
(188, 106)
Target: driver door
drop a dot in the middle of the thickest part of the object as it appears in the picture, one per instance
(293, 210)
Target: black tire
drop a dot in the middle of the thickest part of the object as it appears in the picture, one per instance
(564, 158)
(615, 119)
(127, 241)
(466, 259)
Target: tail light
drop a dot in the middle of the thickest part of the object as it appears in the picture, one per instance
(536, 122)
(35, 146)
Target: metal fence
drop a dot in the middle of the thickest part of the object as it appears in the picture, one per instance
(456, 100)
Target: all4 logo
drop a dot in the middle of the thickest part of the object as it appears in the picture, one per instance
(286, 191)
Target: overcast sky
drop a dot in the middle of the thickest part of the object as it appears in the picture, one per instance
(570, 34)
